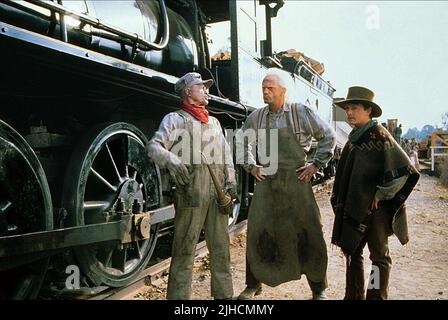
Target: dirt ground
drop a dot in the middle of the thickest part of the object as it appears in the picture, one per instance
(419, 268)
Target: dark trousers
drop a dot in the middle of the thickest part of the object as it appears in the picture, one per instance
(252, 282)
(376, 239)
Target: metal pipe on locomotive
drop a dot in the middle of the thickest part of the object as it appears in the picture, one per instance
(84, 85)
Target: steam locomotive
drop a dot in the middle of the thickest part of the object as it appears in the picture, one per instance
(84, 84)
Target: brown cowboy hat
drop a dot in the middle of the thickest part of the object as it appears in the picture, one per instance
(360, 95)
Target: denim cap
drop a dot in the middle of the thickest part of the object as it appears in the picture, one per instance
(189, 80)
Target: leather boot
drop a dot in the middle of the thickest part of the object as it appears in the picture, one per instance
(320, 295)
(249, 293)
(318, 289)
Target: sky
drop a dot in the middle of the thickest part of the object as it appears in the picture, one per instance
(398, 49)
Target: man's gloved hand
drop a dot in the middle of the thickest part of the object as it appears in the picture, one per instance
(231, 189)
(178, 172)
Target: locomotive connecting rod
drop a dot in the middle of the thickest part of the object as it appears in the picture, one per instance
(129, 228)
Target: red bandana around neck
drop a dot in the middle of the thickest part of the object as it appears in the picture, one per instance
(199, 112)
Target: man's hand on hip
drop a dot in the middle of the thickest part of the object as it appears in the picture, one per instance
(306, 172)
(258, 173)
(375, 203)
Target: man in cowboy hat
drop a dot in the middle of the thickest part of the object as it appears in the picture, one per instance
(195, 195)
(374, 177)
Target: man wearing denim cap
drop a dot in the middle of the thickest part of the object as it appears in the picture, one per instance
(195, 199)
(189, 80)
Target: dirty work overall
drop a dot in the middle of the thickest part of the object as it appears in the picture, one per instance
(285, 238)
(196, 208)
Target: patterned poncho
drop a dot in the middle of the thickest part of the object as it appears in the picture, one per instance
(374, 159)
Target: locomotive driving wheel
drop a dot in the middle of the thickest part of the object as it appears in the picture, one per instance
(25, 206)
(109, 165)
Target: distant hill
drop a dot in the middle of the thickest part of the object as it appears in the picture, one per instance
(419, 135)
